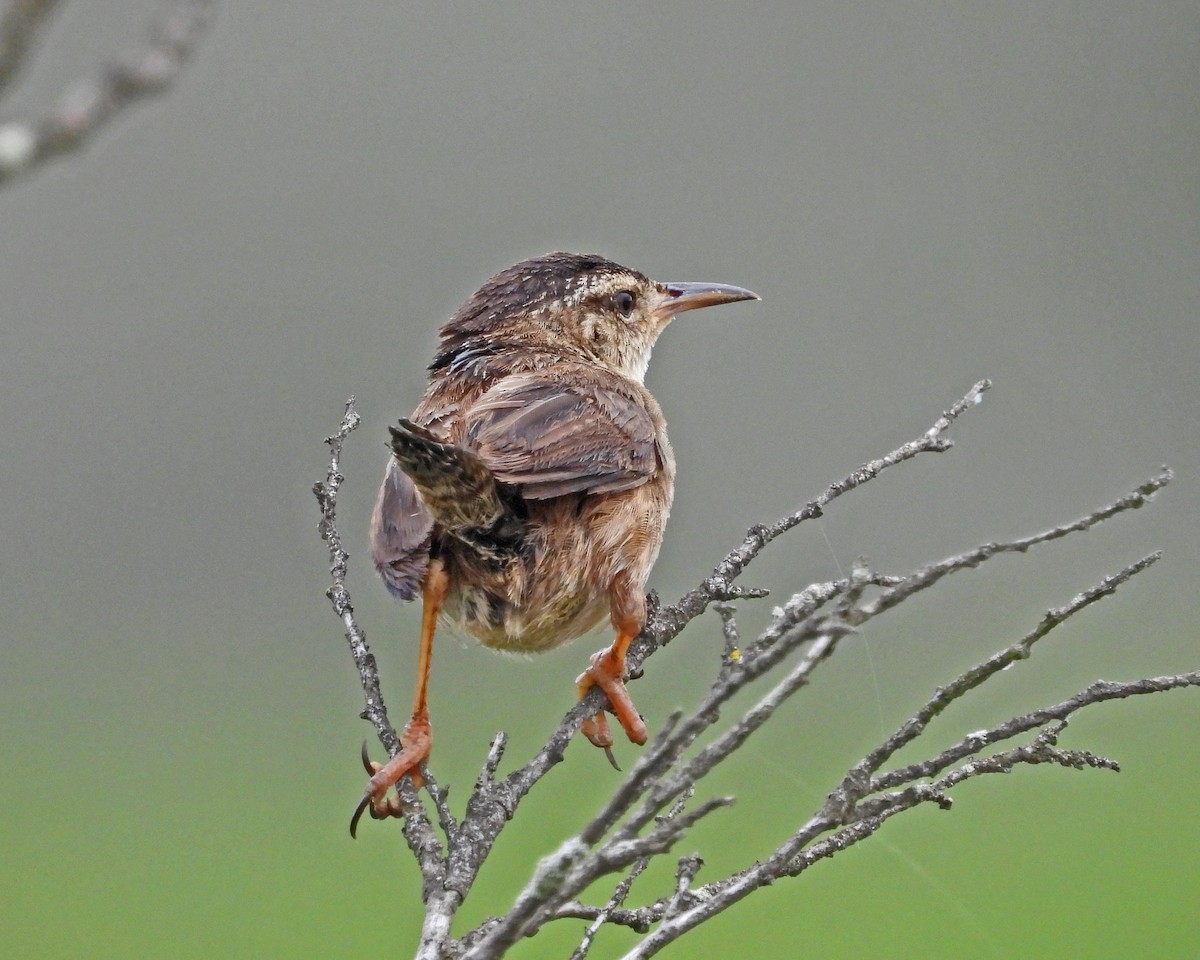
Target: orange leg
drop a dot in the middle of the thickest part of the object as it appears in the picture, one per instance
(417, 737)
(607, 670)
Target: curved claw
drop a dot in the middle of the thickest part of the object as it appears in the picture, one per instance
(612, 759)
(358, 812)
(416, 739)
(379, 807)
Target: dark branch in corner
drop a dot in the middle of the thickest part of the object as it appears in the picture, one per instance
(88, 106)
(652, 808)
(19, 26)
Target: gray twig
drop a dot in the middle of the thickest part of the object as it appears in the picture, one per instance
(94, 101)
(19, 26)
(326, 493)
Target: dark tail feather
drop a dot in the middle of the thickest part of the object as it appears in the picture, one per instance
(455, 484)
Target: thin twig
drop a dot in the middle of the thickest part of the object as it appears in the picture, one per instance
(605, 914)
(671, 620)
(19, 27)
(418, 831)
(638, 920)
(92, 103)
(977, 675)
(928, 576)
(326, 492)
(971, 744)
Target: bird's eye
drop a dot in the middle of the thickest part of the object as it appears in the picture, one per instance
(623, 303)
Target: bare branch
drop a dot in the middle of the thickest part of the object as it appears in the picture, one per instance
(417, 829)
(672, 619)
(729, 629)
(605, 914)
(974, 677)
(861, 817)
(649, 814)
(928, 576)
(93, 102)
(638, 920)
(802, 850)
(19, 26)
(368, 670)
(971, 744)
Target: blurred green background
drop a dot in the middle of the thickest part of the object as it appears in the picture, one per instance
(923, 194)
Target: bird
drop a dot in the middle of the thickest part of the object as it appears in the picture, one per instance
(526, 496)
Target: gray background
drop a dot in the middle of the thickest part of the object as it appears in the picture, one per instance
(924, 194)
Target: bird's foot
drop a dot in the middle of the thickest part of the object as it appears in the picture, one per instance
(416, 740)
(607, 671)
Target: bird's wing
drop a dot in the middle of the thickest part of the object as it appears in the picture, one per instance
(553, 438)
(400, 534)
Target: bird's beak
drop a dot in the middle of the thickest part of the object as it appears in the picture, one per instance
(691, 296)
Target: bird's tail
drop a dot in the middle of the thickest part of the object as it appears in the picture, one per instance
(459, 489)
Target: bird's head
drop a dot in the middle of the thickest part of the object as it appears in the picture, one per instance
(578, 306)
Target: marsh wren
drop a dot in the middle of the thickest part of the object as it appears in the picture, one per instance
(527, 494)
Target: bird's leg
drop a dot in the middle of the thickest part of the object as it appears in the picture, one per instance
(417, 737)
(607, 669)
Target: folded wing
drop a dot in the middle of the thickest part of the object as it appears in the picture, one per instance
(552, 439)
